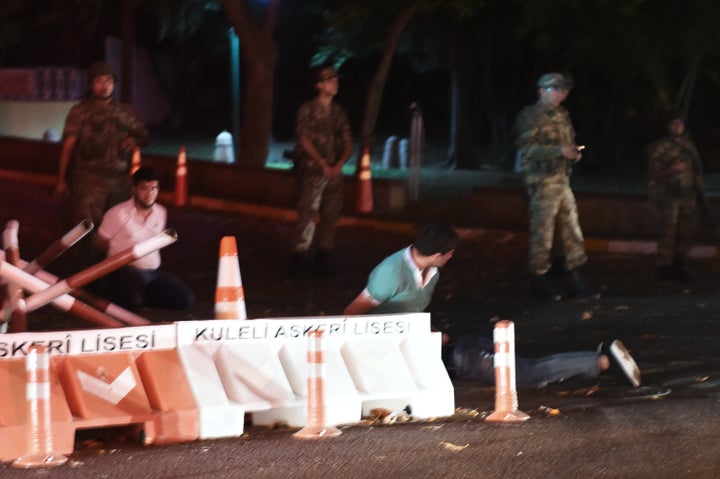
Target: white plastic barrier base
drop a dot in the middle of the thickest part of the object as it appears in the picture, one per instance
(342, 400)
(218, 416)
(388, 361)
(259, 367)
(397, 373)
(436, 396)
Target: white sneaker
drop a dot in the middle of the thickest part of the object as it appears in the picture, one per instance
(620, 357)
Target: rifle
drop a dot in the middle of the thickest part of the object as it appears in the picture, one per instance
(714, 227)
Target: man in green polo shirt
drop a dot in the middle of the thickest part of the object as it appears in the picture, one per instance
(404, 283)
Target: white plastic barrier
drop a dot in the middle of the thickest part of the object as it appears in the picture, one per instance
(218, 416)
(388, 361)
(259, 367)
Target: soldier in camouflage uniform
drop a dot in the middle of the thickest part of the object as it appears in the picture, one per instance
(99, 137)
(325, 143)
(546, 139)
(675, 183)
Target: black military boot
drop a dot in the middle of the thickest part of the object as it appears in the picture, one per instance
(679, 272)
(297, 259)
(322, 263)
(578, 288)
(558, 268)
(542, 289)
(665, 273)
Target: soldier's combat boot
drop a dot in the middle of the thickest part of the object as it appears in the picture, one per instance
(542, 289)
(297, 259)
(665, 273)
(578, 288)
(679, 272)
(322, 263)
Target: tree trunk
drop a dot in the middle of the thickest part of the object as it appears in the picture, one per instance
(257, 113)
(259, 56)
(127, 72)
(460, 154)
(377, 84)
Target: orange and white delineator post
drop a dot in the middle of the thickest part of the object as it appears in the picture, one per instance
(506, 402)
(364, 196)
(102, 268)
(229, 292)
(40, 442)
(13, 315)
(315, 427)
(135, 162)
(59, 246)
(180, 193)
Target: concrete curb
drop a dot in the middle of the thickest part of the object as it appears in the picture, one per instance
(592, 245)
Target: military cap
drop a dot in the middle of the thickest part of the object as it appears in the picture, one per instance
(554, 80)
(99, 69)
(674, 115)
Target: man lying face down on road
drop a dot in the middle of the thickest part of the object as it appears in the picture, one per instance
(404, 283)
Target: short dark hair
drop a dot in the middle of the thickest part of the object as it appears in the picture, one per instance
(436, 238)
(673, 115)
(144, 173)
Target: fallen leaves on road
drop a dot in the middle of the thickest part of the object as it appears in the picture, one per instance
(622, 307)
(386, 416)
(433, 428)
(467, 412)
(452, 447)
(586, 315)
(702, 379)
(550, 411)
(580, 392)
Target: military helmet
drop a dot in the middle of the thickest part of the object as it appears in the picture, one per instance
(99, 69)
(555, 80)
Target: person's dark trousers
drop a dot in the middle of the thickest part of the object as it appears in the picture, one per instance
(133, 288)
(472, 358)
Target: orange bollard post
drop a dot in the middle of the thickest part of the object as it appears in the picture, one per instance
(101, 304)
(506, 402)
(229, 292)
(364, 186)
(118, 260)
(315, 427)
(59, 246)
(14, 317)
(63, 302)
(181, 193)
(135, 162)
(16, 313)
(40, 444)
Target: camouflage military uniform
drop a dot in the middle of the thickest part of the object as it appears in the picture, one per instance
(329, 132)
(99, 168)
(675, 195)
(553, 212)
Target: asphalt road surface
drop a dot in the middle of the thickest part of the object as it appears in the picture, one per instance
(667, 428)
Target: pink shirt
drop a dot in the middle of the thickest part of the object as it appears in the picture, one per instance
(123, 227)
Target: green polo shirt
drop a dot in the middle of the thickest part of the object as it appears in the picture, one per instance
(397, 285)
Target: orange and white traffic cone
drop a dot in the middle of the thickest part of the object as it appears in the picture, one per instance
(40, 445)
(181, 193)
(229, 292)
(135, 162)
(364, 187)
(315, 427)
(506, 402)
